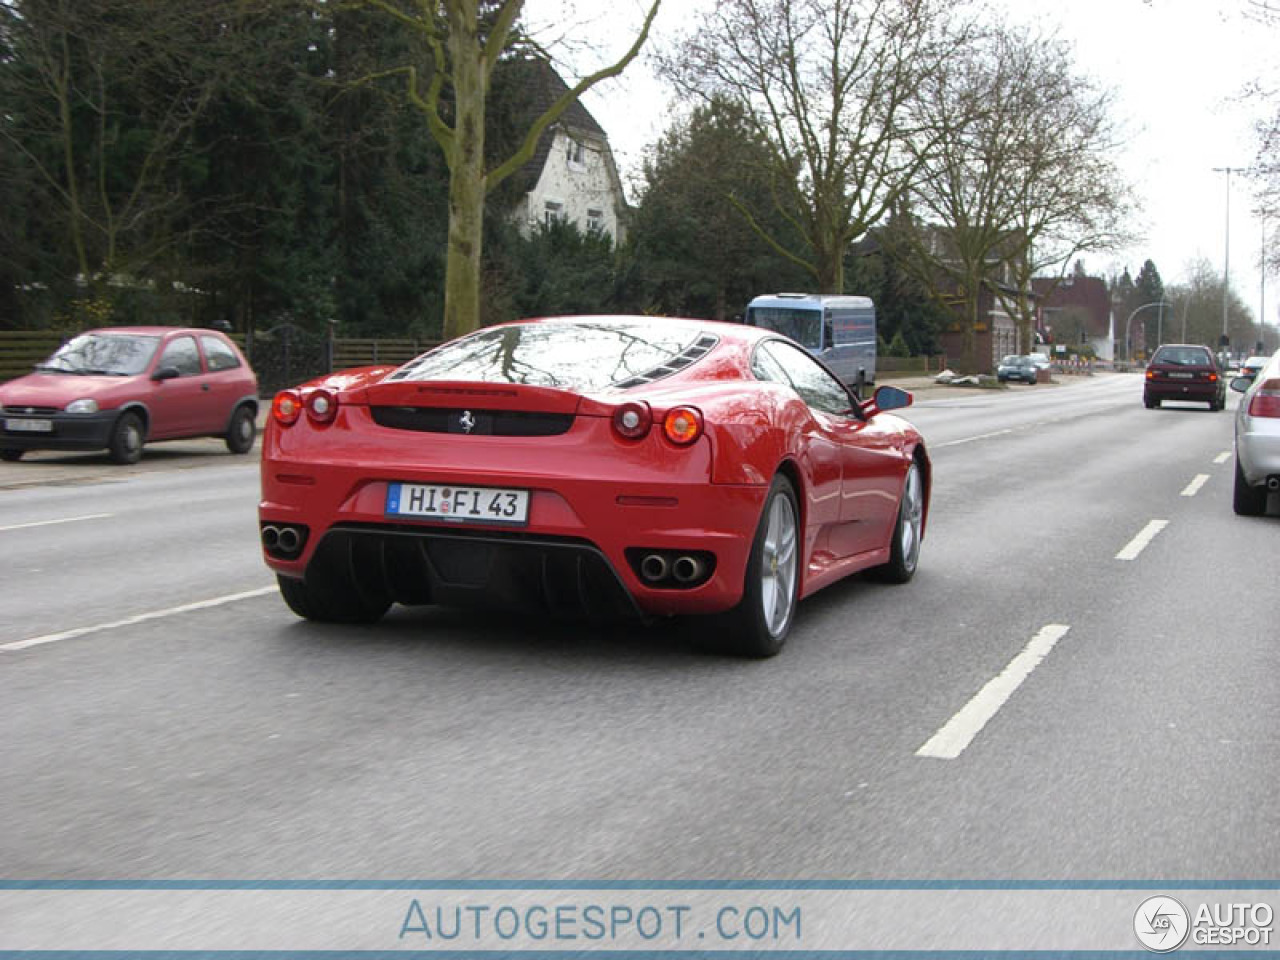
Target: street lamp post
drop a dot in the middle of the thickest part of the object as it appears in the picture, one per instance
(1128, 349)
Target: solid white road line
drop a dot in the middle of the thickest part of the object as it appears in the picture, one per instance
(48, 523)
(1140, 542)
(958, 732)
(1194, 486)
(1222, 457)
(139, 618)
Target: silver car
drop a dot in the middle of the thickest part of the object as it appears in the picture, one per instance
(1258, 439)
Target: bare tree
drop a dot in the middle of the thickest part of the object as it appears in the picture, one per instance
(466, 39)
(832, 86)
(1019, 179)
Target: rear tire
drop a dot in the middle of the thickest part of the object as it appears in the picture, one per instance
(127, 438)
(243, 430)
(908, 532)
(757, 627)
(332, 605)
(1247, 501)
(11, 456)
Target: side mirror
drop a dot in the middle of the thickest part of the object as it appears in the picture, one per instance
(886, 398)
(166, 373)
(1241, 384)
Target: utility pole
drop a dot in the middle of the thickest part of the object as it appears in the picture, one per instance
(1226, 257)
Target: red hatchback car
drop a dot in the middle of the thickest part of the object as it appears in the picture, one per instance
(591, 465)
(1180, 371)
(121, 387)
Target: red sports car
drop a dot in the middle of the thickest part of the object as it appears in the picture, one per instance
(591, 465)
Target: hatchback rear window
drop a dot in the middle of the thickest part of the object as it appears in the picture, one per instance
(1183, 356)
(567, 355)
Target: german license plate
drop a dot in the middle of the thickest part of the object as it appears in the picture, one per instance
(1181, 376)
(458, 504)
(21, 425)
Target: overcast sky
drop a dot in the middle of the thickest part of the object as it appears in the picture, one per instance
(1178, 68)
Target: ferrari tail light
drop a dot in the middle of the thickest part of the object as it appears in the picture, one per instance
(632, 420)
(322, 405)
(682, 425)
(1266, 400)
(286, 407)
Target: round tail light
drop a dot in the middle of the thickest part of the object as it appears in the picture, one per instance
(322, 405)
(682, 425)
(286, 407)
(632, 420)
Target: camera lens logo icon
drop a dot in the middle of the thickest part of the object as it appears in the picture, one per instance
(1162, 924)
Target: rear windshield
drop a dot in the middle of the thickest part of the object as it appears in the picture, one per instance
(570, 356)
(1183, 356)
(121, 355)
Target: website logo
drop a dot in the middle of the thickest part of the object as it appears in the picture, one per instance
(1161, 924)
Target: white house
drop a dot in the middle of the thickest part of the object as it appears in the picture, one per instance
(572, 176)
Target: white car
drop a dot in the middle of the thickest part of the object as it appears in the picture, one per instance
(1257, 439)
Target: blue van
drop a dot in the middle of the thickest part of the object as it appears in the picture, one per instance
(839, 330)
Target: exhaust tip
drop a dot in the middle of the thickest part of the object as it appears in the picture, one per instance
(654, 567)
(289, 540)
(687, 569)
(1273, 483)
(270, 538)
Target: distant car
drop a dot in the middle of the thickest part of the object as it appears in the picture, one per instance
(1257, 437)
(1181, 371)
(1014, 367)
(589, 466)
(119, 388)
(1249, 368)
(1041, 361)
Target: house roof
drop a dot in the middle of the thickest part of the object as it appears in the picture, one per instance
(539, 86)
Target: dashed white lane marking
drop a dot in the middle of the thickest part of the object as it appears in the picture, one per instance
(139, 618)
(1222, 457)
(981, 436)
(1141, 541)
(49, 523)
(958, 732)
(1194, 486)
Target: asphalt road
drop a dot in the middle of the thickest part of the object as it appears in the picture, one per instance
(170, 718)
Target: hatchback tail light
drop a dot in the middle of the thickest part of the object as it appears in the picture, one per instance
(1266, 400)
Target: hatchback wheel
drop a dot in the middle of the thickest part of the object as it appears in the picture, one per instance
(242, 431)
(127, 437)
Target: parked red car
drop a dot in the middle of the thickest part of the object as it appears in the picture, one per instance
(121, 387)
(591, 465)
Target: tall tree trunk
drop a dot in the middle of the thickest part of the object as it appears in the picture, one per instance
(467, 186)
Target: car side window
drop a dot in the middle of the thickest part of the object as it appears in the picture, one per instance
(217, 355)
(181, 353)
(816, 386)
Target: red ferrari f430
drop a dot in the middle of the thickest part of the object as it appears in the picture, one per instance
(592, 466)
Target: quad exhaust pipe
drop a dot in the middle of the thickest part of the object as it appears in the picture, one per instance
(654, 567)
(688, 569)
